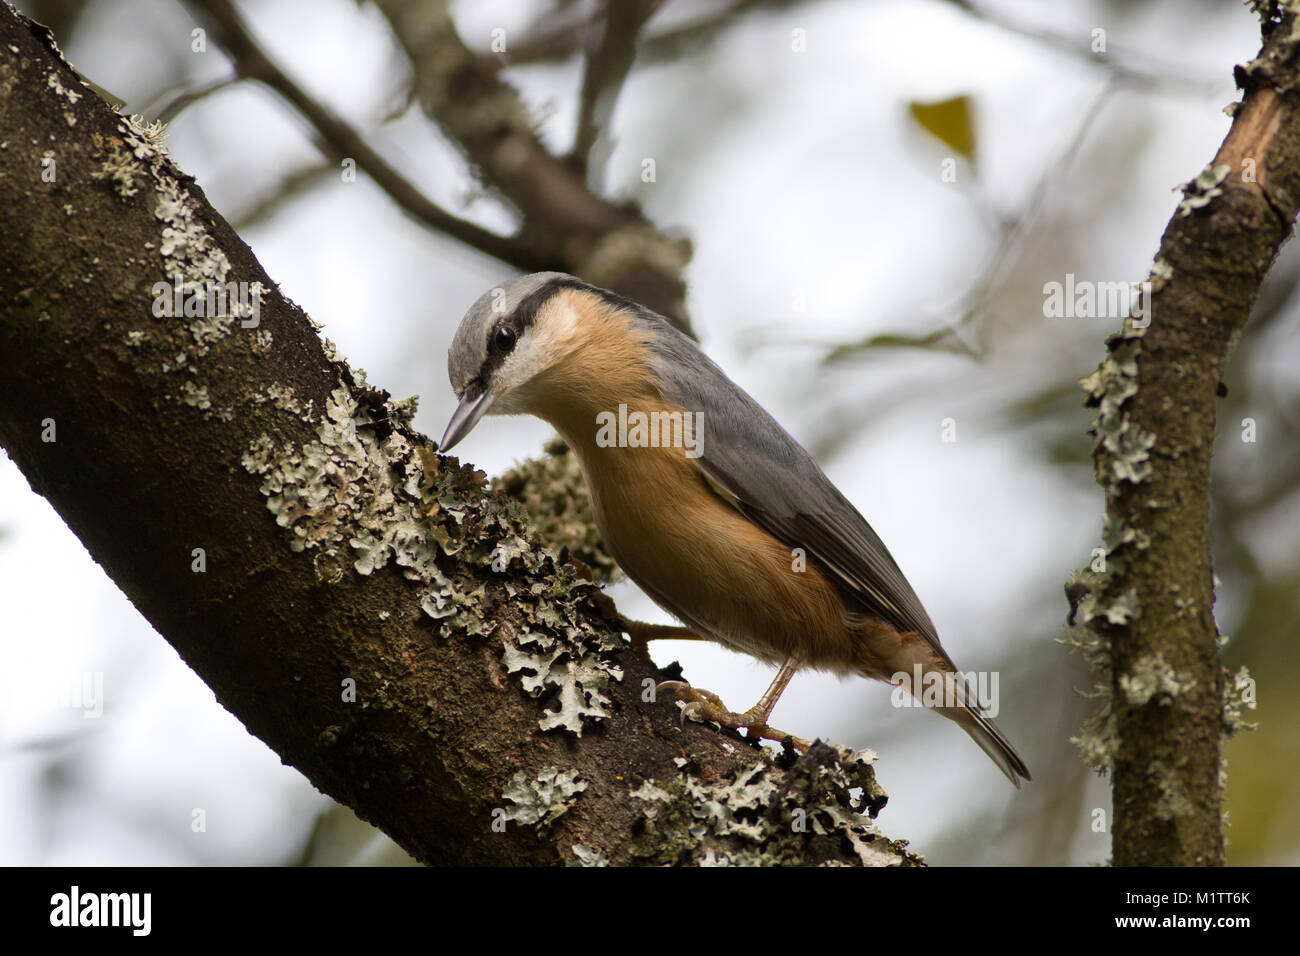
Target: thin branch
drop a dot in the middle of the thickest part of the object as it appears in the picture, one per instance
(607, 243)
(608, 65)
(292, 185)
(343, 142)
(169, 104)
(562, 39)
(1169, 78)
(1148, 618)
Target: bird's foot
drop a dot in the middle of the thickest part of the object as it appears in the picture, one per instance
(703, 705)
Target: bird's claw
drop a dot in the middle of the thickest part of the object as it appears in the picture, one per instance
(702, 706)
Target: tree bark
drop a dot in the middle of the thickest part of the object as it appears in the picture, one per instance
(365, 607)
(1150, 602)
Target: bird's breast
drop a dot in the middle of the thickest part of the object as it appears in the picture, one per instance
(706, 563)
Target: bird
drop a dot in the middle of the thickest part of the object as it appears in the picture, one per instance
(705, 501)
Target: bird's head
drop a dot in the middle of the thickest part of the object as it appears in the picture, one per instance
(536, 344)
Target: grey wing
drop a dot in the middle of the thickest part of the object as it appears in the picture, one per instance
(754, 463)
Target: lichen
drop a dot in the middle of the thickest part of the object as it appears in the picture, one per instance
(362, 489)
(1124, 446)
(1238, 698)
(759, 815)
(545, 663)
(190, 255)
(1096, 740)
(196, 395)
(554, 494)
(1172, 801)
(541, 801)
(1100, 597)
(1198, 193)
(586, 856)
(1153, 678)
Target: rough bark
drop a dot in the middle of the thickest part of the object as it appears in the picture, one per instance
(345, 604)
(1152, 603)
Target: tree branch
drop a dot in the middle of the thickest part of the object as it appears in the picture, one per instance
(1148, 613)
(608, 65)
(607, 244)
(364, 606)
(343, 142)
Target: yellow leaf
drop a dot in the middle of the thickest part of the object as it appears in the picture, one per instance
(949, 121)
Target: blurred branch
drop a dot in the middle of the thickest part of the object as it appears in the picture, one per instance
(343, 142)
(171, 103)
(607, 244)
(1013, 232)
(292, 185)
(608, 64)
(1168, 78)
(562, 39)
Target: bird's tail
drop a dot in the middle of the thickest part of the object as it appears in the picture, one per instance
(917, 665)
(959, 703)
(984, 732)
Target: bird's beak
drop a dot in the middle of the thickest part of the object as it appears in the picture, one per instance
(466, 416)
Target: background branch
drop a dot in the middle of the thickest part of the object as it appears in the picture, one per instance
(608, 244)
(250, 62)
(608, 64)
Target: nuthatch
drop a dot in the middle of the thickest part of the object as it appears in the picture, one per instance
(721, 517)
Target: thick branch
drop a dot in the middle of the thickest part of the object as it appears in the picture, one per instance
(362, 605)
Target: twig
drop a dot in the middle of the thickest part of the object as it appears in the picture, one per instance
(344, 142)
(608, 65)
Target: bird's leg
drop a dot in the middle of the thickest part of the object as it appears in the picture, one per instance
(642, 633)
(703, 705)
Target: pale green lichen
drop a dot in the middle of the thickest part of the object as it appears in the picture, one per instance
(191, 256)
(586, 856)
(1198, 193)
(1117, 610)
(196, 395)
(1238, 698)
(1121, 454)
(361, 489)
(761, 816)
(1126, 447)
(1172, 801)
(1153, 678)
(1096, 740)
(543, 800)
(547, 664)
(554, 494)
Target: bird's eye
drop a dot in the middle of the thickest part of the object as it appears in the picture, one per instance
(504, 338)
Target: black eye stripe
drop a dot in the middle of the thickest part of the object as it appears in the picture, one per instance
(525, 314)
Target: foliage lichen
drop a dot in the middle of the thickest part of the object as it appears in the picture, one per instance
(755, 817)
